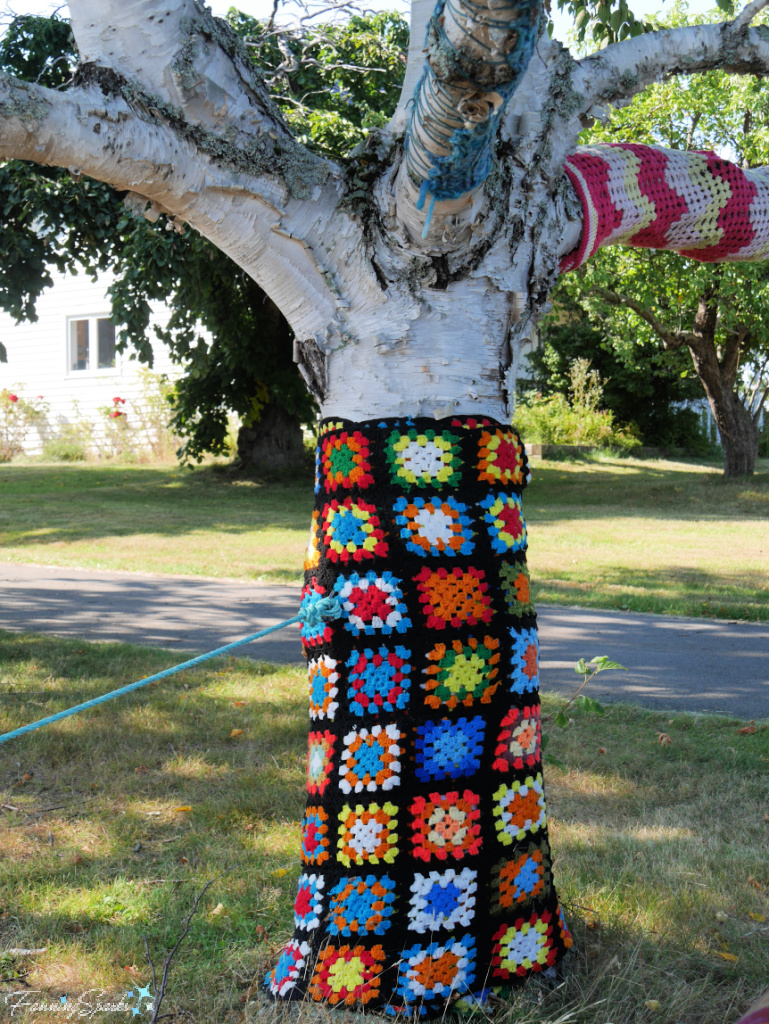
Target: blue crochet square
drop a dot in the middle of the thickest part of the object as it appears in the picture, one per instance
(449, 749)
(361, 906)
(379, 680)
(524, 674)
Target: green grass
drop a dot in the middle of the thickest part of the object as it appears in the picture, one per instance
(611, 533)
(660, 849)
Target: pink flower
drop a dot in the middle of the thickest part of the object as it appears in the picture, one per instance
(13, 398)
(118, 401)
(115, 414)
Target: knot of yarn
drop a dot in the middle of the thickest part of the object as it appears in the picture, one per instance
(324, 610)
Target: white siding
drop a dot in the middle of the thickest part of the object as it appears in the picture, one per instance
(38, 357)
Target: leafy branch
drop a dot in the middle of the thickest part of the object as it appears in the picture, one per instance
(588, 704)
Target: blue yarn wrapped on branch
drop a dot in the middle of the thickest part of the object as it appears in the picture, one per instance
(469, 162)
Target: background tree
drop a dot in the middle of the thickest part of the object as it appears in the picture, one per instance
(651, 304)
(333, 82)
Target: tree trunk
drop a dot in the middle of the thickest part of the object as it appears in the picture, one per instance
(274, 444)
(739, 434)
(739, 438)
(426, 868)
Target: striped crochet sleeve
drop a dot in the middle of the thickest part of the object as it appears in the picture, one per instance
(694, 203)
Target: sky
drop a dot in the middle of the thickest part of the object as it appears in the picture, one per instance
(263, 8)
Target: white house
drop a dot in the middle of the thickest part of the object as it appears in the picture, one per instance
(68, 357)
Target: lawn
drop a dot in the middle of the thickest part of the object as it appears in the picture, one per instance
(611, 533)
(115, 819)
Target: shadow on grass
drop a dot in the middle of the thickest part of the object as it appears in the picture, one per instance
(46, 505)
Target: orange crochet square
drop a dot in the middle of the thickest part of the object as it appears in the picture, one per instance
(454, 598)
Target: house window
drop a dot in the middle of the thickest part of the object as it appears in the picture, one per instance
(91, 344)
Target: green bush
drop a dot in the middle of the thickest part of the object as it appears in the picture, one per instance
(553, 419)
(64, 449)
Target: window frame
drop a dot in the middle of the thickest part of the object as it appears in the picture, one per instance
(93, 369)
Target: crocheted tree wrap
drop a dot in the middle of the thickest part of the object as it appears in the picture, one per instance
(425, 872)
(693, 203)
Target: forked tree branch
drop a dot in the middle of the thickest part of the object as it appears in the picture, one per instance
(242, 201)
(182, 55)
(671, 339)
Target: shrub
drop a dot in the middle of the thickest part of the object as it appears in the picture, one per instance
(17, 416)
(555, 420)
(65, 448)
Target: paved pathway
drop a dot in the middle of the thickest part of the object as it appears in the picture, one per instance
(674, 663)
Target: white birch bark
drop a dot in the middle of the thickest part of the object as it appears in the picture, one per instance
(167, 107)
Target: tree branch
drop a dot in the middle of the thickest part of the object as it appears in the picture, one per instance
(620, 71)
(671, 339)
(184, 56)
(241, 201)
(476, 55)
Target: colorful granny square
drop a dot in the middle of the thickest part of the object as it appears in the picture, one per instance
(379, 680)
(352, 531)
(442, 900)
(500, 457)
(564, 931)
(436, 971)
(519, 809)
(374, 604)
(446, 825)
(505, 524)
(367, 835)
(361, 906)
(370, 759)
(347, 975)
(454, 598)
(323, 690)
(312, 555)
(526, 945)
(423, 459)
(524, 878)
(524, 674)
(520, 739)
(320, 752)
(320, 632)
(462, 673)
(447, 749)
(284, 976)
(516, 586)
(309, 902)
(434, 526)
(315, 839)
(344, 461)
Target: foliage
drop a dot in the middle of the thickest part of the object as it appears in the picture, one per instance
(642, 391)
(17, 416)
(232, 342)
(554, 419)
(589, 670)
(718, 111)
(332, 82)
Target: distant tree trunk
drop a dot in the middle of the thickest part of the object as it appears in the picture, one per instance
(717, 367)
(274, 443)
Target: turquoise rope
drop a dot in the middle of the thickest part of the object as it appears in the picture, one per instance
(325, 609)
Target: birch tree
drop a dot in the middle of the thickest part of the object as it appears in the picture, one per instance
(409, 273)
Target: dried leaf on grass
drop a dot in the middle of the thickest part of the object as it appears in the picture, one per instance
(664, 739)
(235, 732)
(747, 730)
